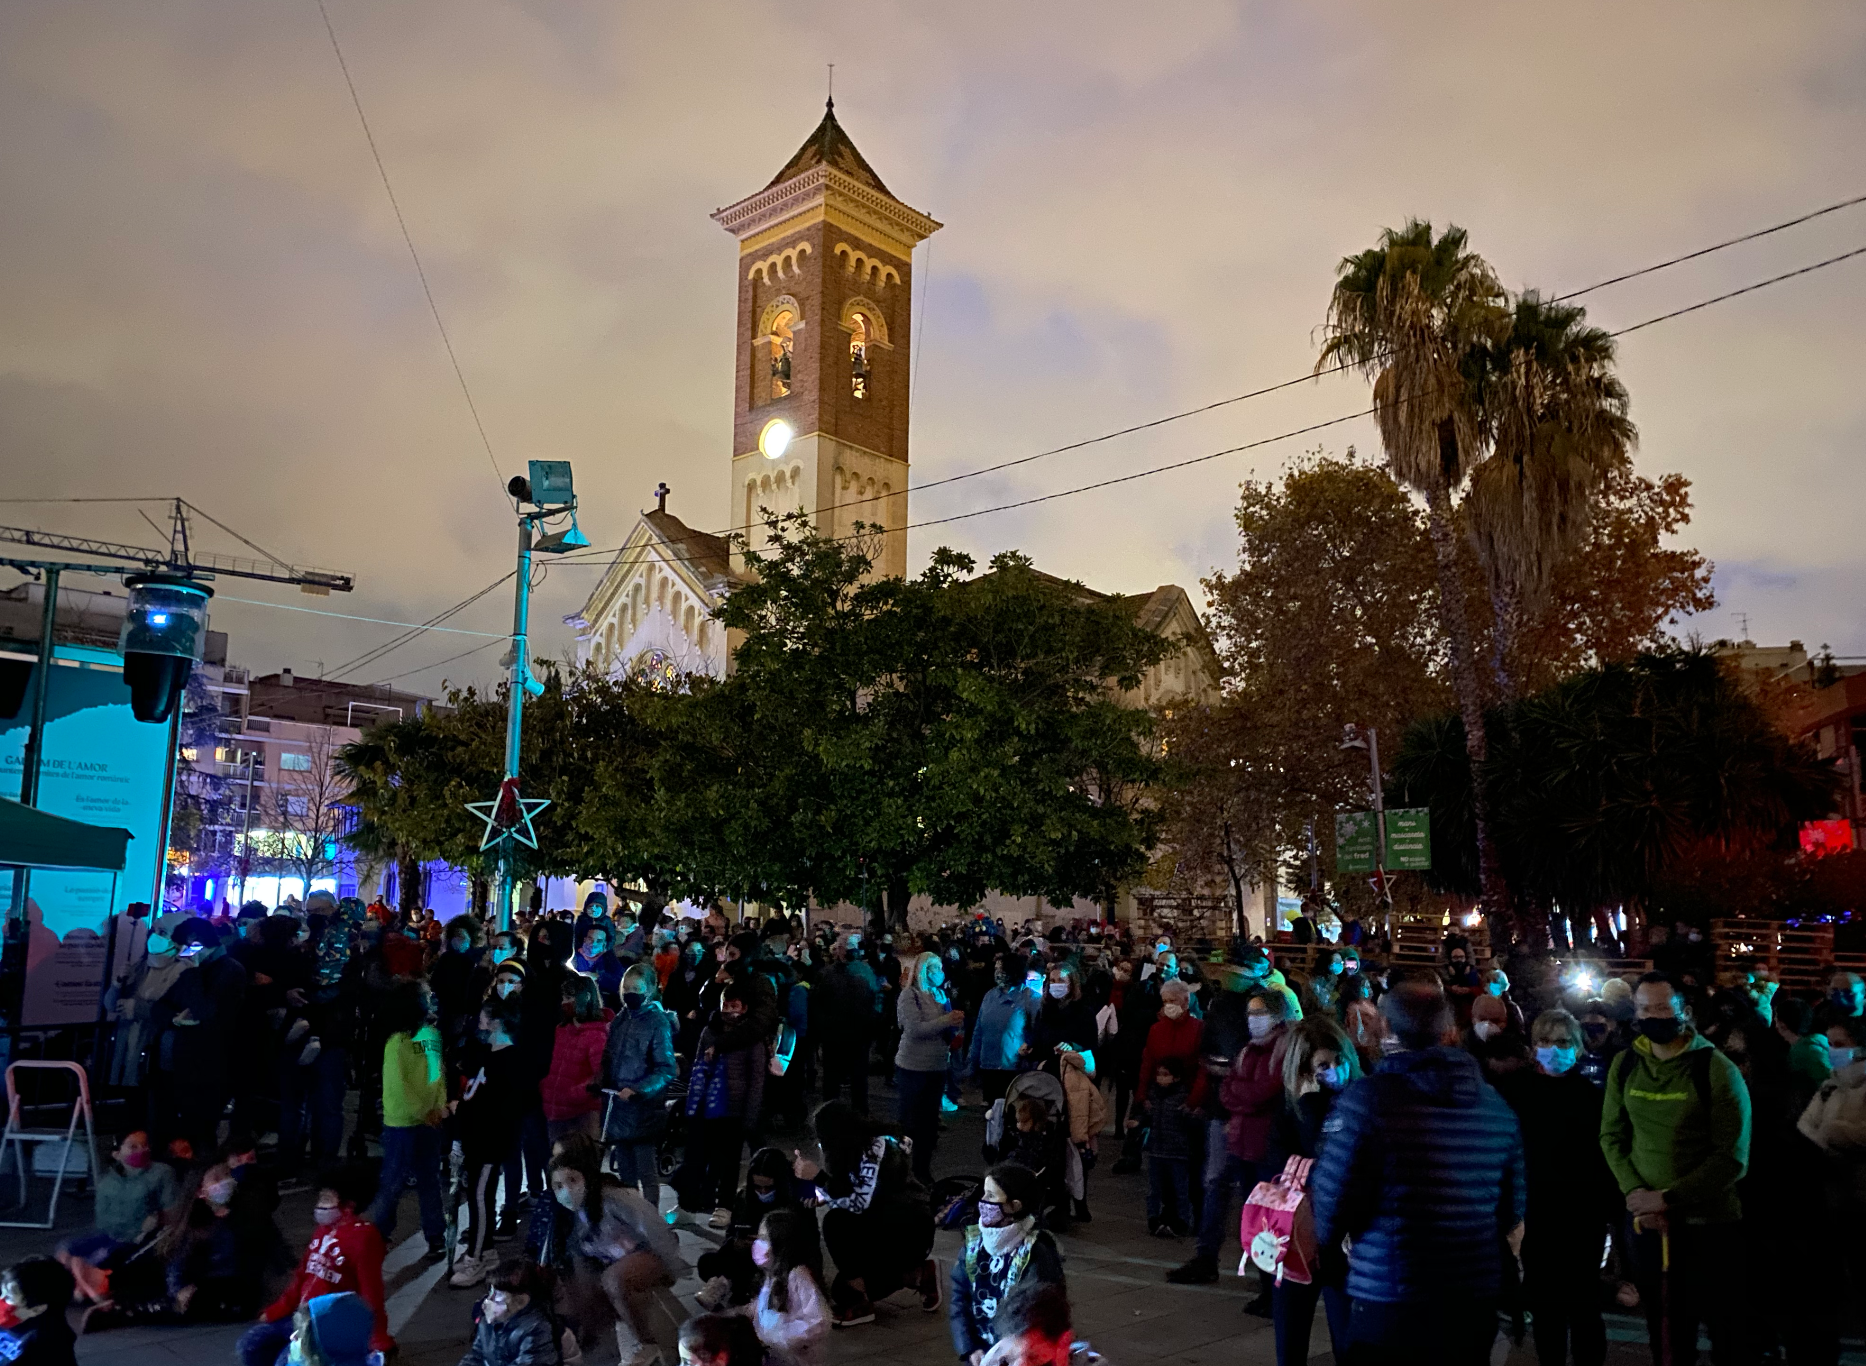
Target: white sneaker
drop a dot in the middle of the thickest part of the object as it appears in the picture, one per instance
(469, 1271)
(649, 1355)
(713, 1296)
(721, 1220)
(570, 1348)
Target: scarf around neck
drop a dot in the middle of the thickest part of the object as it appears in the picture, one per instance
(1002, 1241)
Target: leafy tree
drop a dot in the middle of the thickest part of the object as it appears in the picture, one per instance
(1605, 784)
(942, 735)
(1331, 617)
(1416, 314)
(1557, 418)
(1622, 587)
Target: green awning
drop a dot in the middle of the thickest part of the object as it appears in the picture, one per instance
(31, 838)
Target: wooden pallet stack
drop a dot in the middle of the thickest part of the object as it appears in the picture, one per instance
(1800, 957)
(1419, 936)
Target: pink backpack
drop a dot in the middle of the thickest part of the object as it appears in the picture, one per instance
(1277, 1228)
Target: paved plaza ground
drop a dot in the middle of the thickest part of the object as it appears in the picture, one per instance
(1123, 1305)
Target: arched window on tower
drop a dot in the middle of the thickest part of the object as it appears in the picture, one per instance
(781, 341)
(858, 354)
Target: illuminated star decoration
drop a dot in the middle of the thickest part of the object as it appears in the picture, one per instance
(509, 815)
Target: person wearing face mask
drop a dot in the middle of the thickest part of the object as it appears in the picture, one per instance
(1252, 1097)
(1846, 999)
(460, 979)
(1175, 1034)
(725, 1087)
(1002, 1250)
(514, 1320)
(1006, 1017)
(1572, 1198)
(728, 1275)
(1325, 985)
(493, 1087)
(1600, 1043)
(1498, 1048)
(1318, 1064)
(343, 1256)
(929, 1024)
(572, 1089)
(791, 1313)
(198, 1013)
(638, 1066)
(1675, 1128)
(622, 1258)
(1461, 984)
(133, 1002)
(216, 1254)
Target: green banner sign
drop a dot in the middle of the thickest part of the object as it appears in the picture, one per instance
(1354, 842)
(1409, 841)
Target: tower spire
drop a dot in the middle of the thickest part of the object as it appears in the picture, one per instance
(830, 103)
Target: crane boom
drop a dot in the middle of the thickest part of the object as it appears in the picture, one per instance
(180, 558)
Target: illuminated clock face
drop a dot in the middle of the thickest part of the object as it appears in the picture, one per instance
(774, 440)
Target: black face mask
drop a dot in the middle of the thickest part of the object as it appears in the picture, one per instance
(634, 1000)
(1841, 1000)
(1661, 1030)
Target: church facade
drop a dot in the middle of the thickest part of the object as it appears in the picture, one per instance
(820, 427)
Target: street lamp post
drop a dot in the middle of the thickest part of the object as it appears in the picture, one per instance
(1354, 737)
(549, 493)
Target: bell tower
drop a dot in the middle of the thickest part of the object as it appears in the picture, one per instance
(821, 387)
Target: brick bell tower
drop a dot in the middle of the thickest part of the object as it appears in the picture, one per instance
(825, 302)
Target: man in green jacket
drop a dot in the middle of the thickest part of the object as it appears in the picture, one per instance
(1675, 1131)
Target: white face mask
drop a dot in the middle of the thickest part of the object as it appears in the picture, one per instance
(1840, 1057)
(1172, 1010)
(1059, 990)
(1484, 1029)
(1260, 1025)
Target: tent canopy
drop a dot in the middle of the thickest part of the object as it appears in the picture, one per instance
(31, 838)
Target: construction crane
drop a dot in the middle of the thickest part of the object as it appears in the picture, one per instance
(166, 624)
(181, 558)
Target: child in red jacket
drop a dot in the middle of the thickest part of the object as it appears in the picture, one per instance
(570, 1103)
(344, 1254)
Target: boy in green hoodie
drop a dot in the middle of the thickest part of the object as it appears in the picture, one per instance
(1675, 1131)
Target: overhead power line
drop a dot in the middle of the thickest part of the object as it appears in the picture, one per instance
(1297, 380)
(408, 238)
(601, 557)
(1298, 431)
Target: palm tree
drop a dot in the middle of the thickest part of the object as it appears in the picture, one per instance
(1557, 418)
(1419, 314)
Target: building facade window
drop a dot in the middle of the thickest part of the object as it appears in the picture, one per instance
(295, 763)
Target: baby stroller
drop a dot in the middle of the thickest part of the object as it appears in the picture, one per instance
(1001, 1137)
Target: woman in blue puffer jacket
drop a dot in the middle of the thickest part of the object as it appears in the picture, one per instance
(638, 1065)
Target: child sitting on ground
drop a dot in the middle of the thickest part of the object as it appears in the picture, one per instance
(345, 1254)
(515, 1327)
(37, 1292)
(729, 1276)
(791, 1313)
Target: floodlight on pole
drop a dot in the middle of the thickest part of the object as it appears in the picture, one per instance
(549, 492)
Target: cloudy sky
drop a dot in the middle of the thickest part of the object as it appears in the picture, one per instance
(203, 290)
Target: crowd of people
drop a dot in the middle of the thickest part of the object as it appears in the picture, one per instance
(1448, 1149)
